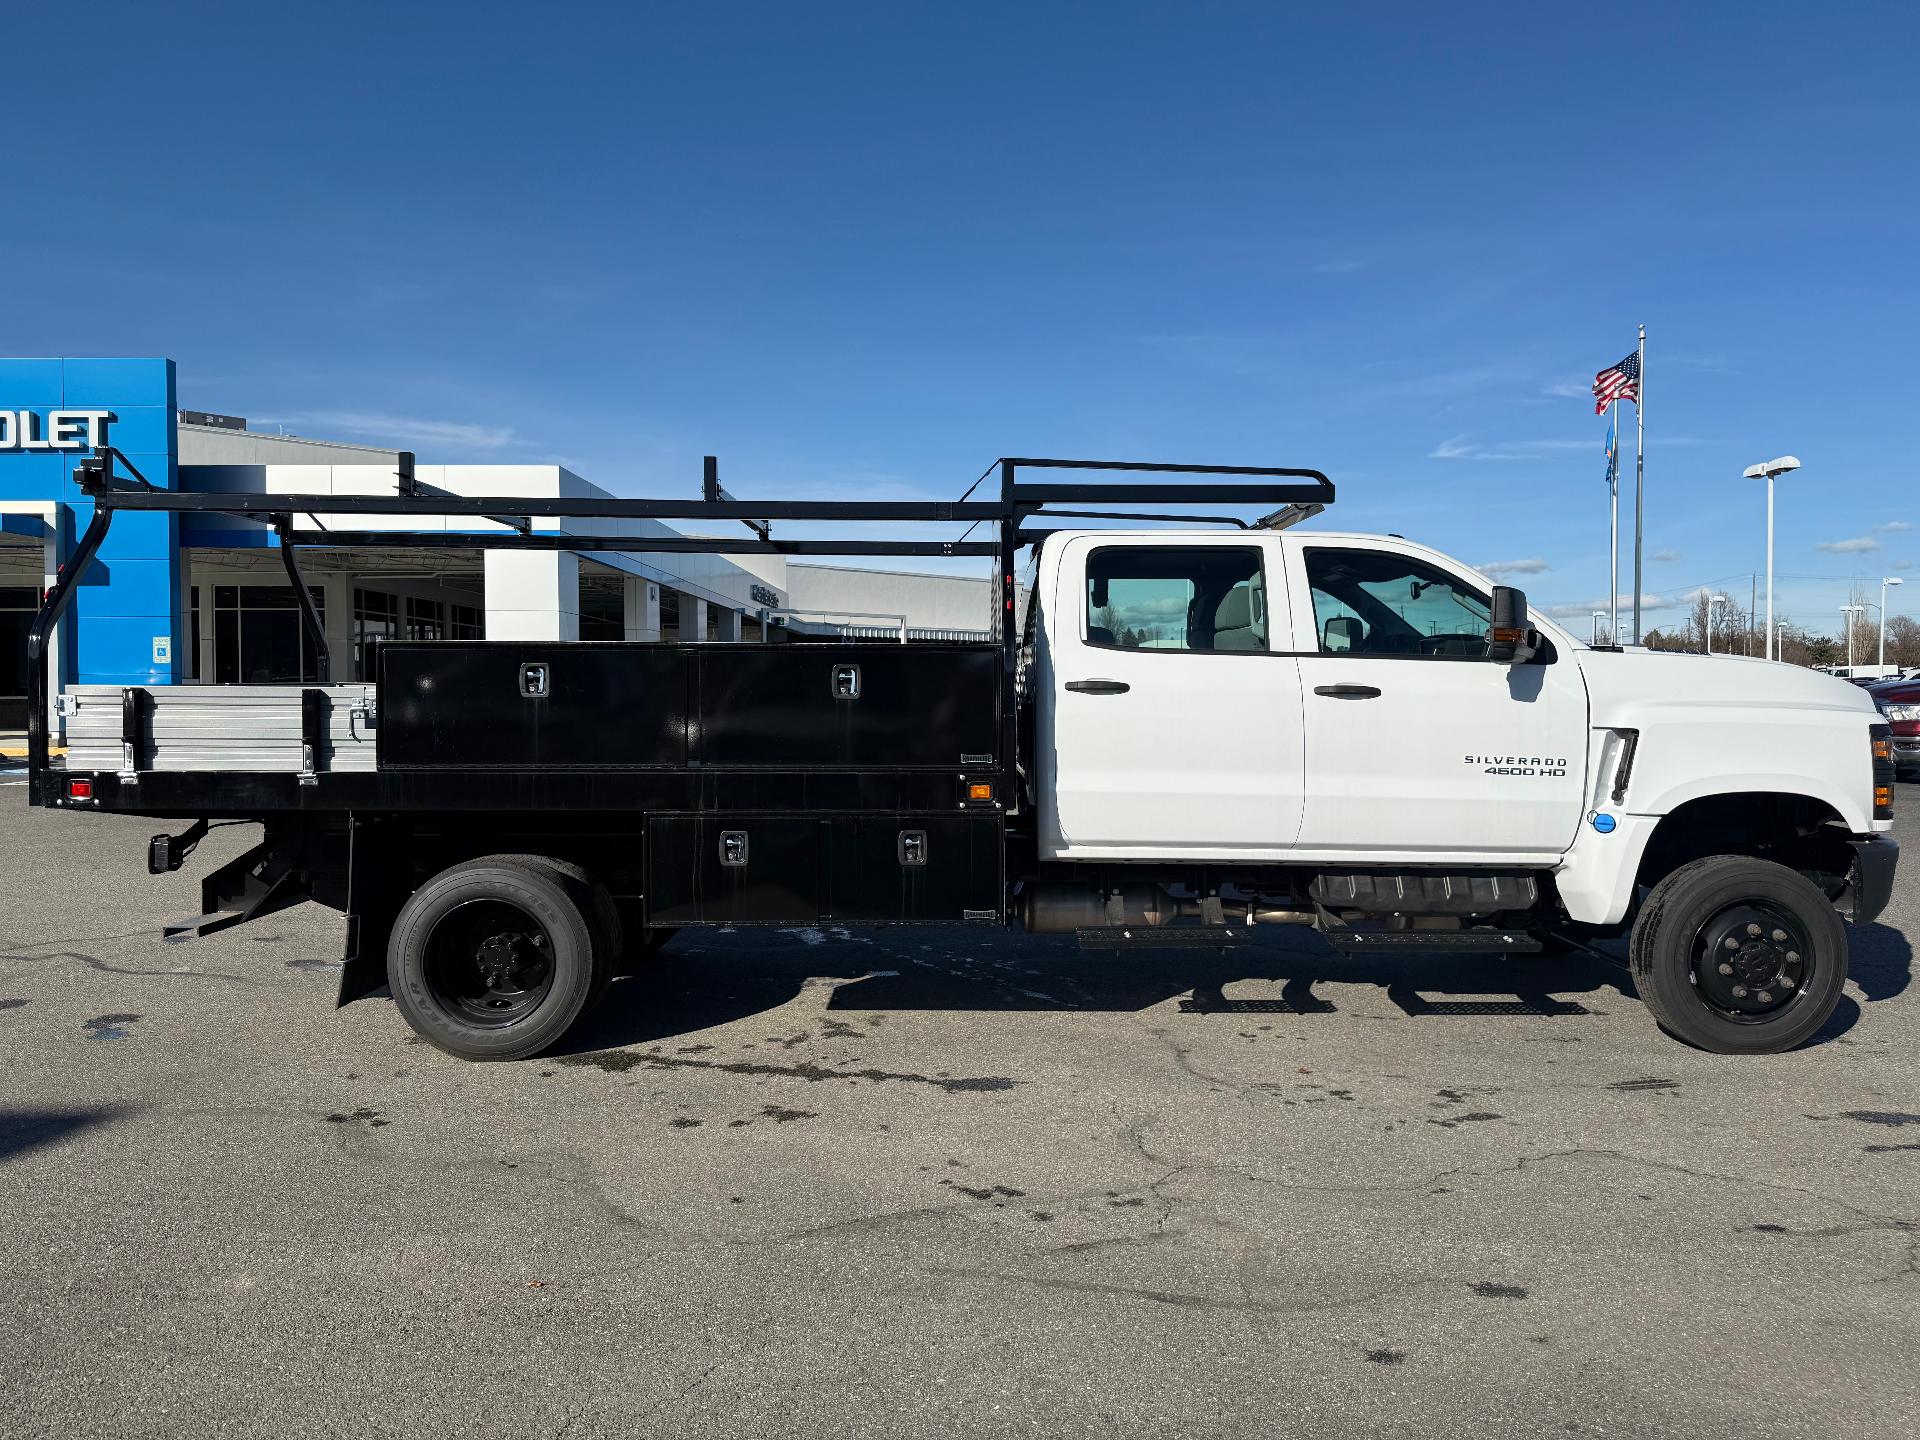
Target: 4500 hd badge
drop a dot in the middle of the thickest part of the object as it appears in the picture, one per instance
(1519, 765)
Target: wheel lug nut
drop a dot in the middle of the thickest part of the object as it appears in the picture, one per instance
(1725, 969)
(1793, 957)
(1753, 929)
(1732, 944)
(1739, 992)
(1766, 997)
(1778, 936)
(1785, 982)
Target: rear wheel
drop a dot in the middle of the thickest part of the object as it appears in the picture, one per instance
(603, 915)
(494, 959)
(1739, 956)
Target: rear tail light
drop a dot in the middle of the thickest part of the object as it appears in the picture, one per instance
(78, 789)
(1881, 739)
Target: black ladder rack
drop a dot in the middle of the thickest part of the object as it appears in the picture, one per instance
(1017, 502)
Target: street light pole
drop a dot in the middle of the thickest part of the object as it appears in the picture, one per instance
(1885, 581)
(1847, 617)
(1598, 616)
(1770, 470)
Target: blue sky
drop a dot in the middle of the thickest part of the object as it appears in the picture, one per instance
(865, 249)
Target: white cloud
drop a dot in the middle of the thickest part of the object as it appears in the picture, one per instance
(1892, 526)
(1570, 389)
(403, 431)
(1498, 568)
(1582, 611)
(1465, 447)
(1664, 557)
(1342, 265)
(1859, 545)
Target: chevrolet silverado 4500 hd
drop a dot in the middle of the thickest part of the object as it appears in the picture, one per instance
(1188, 729)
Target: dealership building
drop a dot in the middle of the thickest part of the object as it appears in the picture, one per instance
(184, 598)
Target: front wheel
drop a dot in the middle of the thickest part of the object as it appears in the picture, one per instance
(1739, 956)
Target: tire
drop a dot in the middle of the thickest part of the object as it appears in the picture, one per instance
(494, 959)
(609, 935)
(1708, 965)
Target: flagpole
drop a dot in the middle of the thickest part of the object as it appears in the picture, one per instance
(1613, 535)
(1639, 479)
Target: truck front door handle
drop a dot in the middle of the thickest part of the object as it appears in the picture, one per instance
(1099, 687)
(1349, 692)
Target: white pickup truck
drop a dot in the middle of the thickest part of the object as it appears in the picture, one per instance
(1332, 704)
(1194, 731)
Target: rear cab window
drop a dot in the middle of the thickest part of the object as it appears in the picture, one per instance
(1177, 598)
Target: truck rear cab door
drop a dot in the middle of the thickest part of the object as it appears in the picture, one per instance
(1417, 744)
(1172, 726)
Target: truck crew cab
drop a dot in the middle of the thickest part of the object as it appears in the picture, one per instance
(1190, 732)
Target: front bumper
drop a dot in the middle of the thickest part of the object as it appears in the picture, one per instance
(1906, 752)
(1870, 881)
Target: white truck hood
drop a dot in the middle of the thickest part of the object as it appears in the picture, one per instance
(1719, 723)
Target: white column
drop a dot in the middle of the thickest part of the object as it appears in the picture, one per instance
(726, 624)
(693, 618)
(337, 586)
(532, 595)
(642, 609)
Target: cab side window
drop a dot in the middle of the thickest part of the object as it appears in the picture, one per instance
(1372, 602)
(1176, 598)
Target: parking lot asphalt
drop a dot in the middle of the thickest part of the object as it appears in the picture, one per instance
(903, 1182)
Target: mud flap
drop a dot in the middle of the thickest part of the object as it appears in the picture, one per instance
(378, 884)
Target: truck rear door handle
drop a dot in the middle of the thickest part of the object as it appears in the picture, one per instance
(1349, 692)
(1099, 687)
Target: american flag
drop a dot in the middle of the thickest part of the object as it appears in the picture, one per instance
(1617, 382)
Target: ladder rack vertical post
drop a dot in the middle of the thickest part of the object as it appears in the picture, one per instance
(1009, 636)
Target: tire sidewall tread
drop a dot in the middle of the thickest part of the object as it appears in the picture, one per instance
(525, 882)
(1660, 952)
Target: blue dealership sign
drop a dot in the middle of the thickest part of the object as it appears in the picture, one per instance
(125, 625)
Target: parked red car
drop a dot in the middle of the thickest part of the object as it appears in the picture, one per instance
(1899, 701)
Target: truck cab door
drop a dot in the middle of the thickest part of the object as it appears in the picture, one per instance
(1417, 744)
(1169, 717)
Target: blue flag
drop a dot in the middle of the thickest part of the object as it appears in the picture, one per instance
(1613, 450)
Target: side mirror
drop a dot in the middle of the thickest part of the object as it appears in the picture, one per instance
(1509, 639)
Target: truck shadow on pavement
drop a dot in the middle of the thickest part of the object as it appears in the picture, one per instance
(703, 981)
(29, 1129)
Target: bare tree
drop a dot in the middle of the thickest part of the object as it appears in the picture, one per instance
(1903, 641)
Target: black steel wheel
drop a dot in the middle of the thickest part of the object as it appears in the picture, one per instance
(1739, 956)
(489, 961)
(494, 959)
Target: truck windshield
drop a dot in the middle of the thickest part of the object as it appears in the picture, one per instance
(1373, 602)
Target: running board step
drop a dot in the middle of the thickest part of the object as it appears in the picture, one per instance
(1155, 937)
(1446, 942)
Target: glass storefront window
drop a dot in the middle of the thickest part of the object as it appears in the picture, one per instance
(376, 617)
(258, 637)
